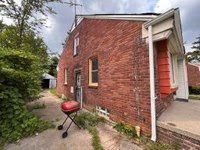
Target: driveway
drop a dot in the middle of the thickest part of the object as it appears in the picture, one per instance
(77, 139)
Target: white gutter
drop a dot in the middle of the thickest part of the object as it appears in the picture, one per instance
(152, 85)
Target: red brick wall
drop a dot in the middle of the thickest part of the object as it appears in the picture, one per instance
(123, 81)
(171, 137)
(193, 75)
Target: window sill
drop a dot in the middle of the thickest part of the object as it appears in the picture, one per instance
(93, 86)
(75, 55)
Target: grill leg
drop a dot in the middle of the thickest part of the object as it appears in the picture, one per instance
(60, 127)
(64, 135)
(74, 120)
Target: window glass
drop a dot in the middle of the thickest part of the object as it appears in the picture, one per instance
(93, 72)
(95, 64)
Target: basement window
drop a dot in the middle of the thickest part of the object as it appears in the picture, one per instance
(102, 111)
(76, 44)
(93, 72)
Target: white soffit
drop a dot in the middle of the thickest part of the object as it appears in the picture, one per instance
(161, 36)
(159, 28)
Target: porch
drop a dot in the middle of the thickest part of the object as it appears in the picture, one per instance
(181, 121)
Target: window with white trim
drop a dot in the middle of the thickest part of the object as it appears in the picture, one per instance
(76, 44)
(173, 69)
(65, 76)
(93, 72)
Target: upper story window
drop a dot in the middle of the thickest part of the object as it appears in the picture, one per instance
(76, 44)
(65, 76)
(93, 72)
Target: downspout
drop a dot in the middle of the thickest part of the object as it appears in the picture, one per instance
(152, 84)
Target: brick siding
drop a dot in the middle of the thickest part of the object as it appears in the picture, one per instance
(170, 137)
(193, 75)
(123, 86)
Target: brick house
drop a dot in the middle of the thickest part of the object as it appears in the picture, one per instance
(125, 66)
(193, 75)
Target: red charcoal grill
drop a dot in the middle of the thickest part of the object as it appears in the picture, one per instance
(69, 108)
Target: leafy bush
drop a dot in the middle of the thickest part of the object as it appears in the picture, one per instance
(194, 90)
(126, 129)
(20, 82)
(16, 122)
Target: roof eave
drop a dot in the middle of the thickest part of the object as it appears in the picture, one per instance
(160, 18)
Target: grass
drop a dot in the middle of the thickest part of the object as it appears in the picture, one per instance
(161, 146)
(96, 143)
(126, 129)
(36, 106)
(194, 97)
(53, 91)
(130, 132)
(2, 143)
(89, 121)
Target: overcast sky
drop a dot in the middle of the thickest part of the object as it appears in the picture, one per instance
(60, 24)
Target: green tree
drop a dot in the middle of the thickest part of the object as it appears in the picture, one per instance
(53, 62)
(195, 55)
(23, 59)
(26, 14)
(19, 83)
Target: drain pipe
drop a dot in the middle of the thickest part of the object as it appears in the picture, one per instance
(152, 84)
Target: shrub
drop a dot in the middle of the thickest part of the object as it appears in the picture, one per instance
(126, 129)
(194, 90)
(16, 122)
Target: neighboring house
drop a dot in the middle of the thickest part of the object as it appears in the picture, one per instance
(48, 81)
(128, 67)
(193, 75)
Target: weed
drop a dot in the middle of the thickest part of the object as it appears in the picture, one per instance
(129, 131)
(126, 129)
(53, 91)
(88, 121)
(194, 97)
(36, 106)
(96, 143)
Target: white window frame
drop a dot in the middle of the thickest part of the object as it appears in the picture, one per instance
(95, 84)
(76, 44)
(65, 75)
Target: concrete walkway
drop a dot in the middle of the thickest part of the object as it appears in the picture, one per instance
(183, 116)
(77, 139)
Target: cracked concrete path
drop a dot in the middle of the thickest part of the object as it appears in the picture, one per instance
(77, 139)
